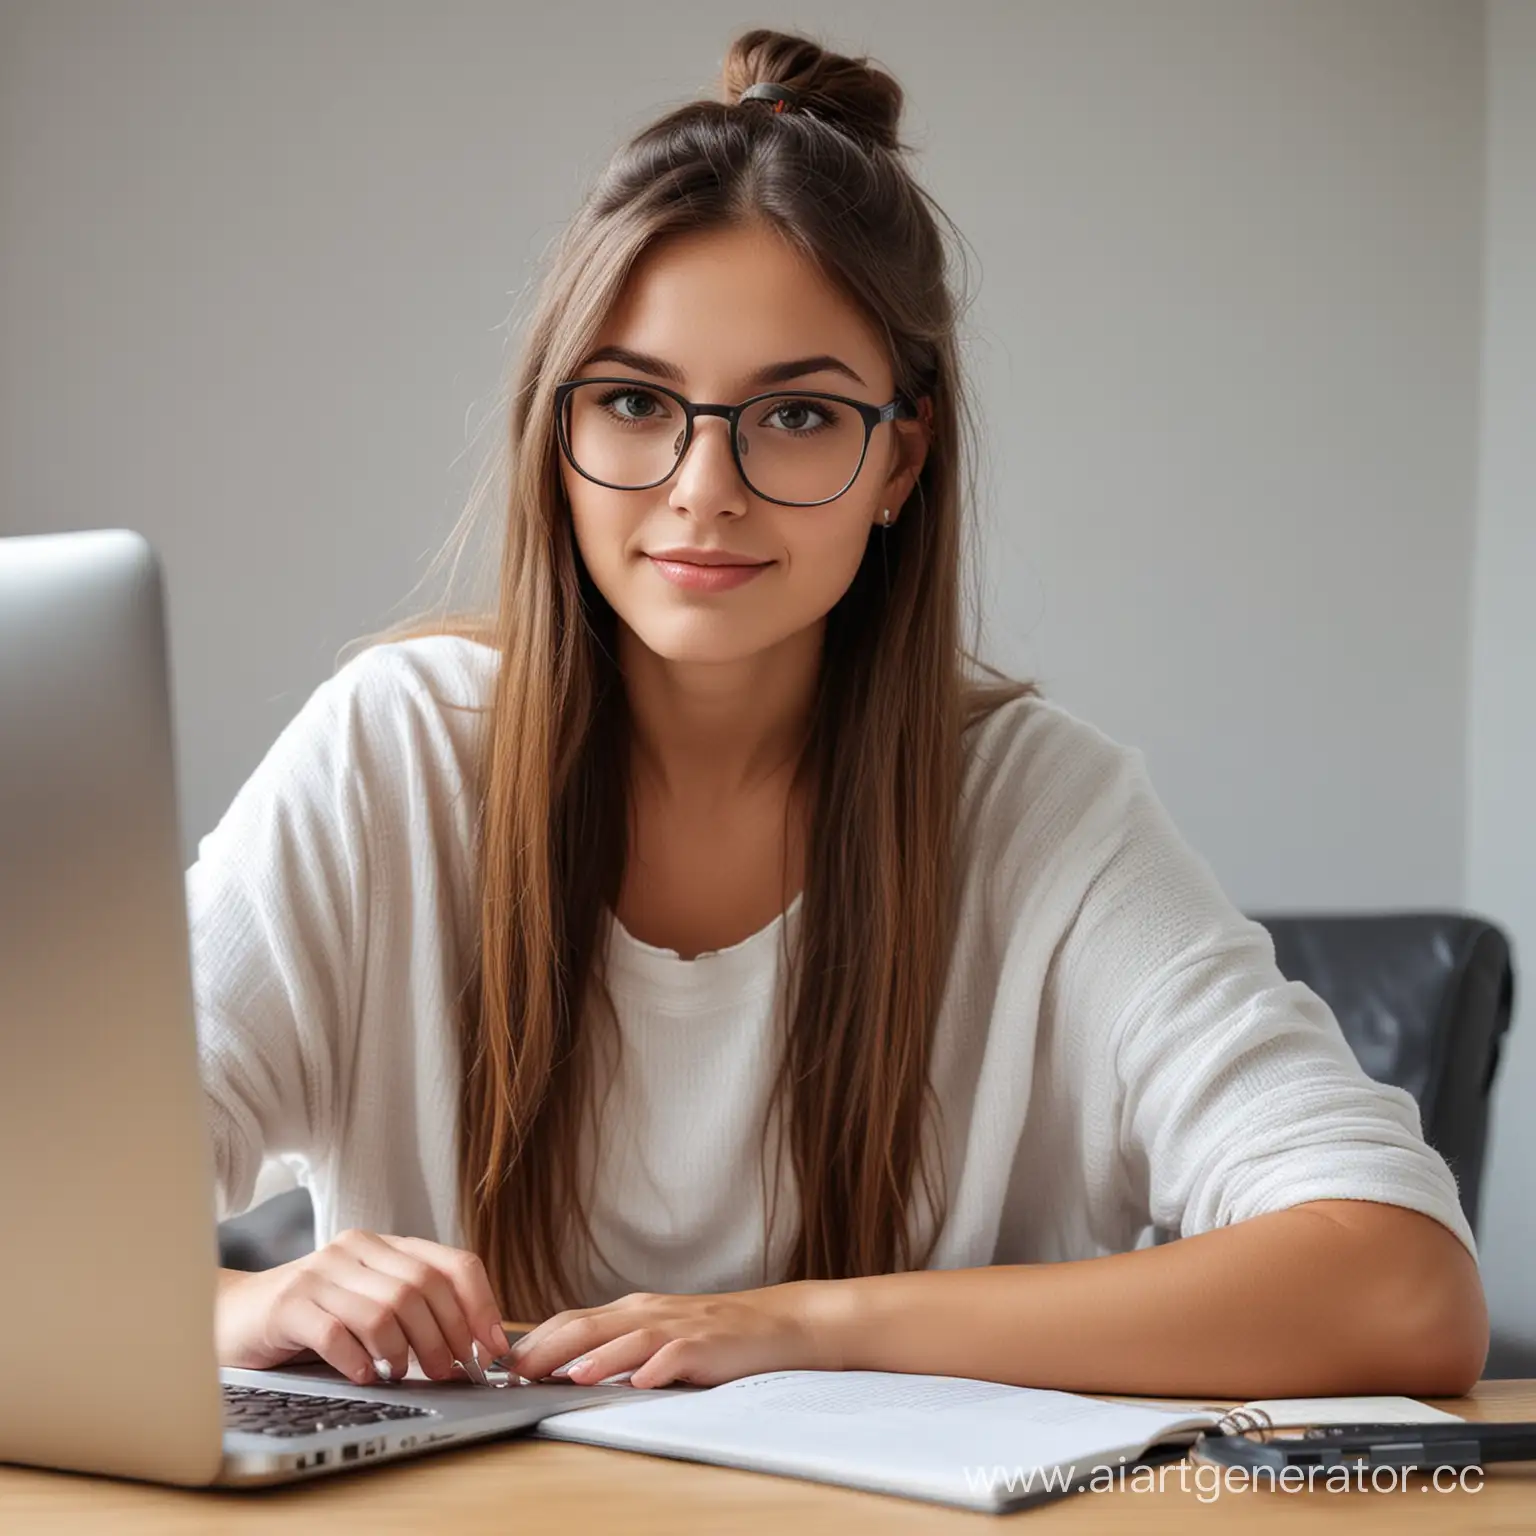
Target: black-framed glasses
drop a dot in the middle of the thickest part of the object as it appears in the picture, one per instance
(799, 448)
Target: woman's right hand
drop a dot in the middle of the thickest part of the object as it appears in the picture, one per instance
(363, 1297)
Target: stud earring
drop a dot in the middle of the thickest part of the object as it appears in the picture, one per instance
(885, 517)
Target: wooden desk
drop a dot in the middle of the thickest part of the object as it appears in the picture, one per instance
(543, 1486)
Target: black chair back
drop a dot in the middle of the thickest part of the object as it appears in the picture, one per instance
(1424, 999)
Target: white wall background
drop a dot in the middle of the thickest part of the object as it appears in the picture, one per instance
(254, 260)
(1501, 846)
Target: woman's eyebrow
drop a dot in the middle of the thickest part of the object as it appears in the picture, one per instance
(773, 373)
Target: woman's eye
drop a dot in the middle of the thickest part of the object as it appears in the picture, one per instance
(631, 404)
(799, 415)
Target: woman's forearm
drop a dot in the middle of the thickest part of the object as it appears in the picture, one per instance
(1326, 1298)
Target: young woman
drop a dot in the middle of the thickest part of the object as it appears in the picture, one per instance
(702, 954)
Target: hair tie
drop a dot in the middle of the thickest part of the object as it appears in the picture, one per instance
(783, 97)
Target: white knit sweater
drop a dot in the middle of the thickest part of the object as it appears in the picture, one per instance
(1117, 1057)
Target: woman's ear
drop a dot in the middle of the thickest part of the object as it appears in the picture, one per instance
(913, 439)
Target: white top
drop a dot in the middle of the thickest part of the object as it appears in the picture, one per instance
(1117, 1057)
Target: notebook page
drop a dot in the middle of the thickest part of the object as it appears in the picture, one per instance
(1349, 1410)
(935, 1437)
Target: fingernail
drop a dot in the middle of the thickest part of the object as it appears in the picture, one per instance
(572, 1365)
(613, 1381)
(384, 1370)
(496, 1339)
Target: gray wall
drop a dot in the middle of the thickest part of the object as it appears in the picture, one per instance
(255, 261)
(1501, 851)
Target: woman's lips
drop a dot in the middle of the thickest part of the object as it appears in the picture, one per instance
(706, 578)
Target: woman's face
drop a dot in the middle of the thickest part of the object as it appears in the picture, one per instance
(705, 314)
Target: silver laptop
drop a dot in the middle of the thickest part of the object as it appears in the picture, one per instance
(108, 1248)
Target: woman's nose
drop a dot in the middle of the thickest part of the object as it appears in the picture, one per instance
(707, 477)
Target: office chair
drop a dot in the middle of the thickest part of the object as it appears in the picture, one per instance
(1424, 999)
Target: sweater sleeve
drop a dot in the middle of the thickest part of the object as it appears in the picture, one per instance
(277, 906)
(1223, 1090)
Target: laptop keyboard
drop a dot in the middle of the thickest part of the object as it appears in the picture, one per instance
(265, 1411)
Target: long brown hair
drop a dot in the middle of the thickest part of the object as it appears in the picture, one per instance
(897, 693)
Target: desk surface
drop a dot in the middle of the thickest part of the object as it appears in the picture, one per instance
(539, 1486)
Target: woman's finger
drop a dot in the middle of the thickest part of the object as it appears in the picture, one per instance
(465, 1274)
(309, 1325)
(564, 1338)
(369, 1317)
(420, 1296)
(621, 1356)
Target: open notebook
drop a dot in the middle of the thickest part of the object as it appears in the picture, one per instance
(979, 1444)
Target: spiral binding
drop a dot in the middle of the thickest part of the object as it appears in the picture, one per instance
(1244, 1421)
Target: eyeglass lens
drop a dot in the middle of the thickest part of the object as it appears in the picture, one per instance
(792, 447)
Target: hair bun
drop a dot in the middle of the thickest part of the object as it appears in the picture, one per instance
(851, 93)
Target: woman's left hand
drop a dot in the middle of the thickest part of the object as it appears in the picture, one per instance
(692, 1340)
